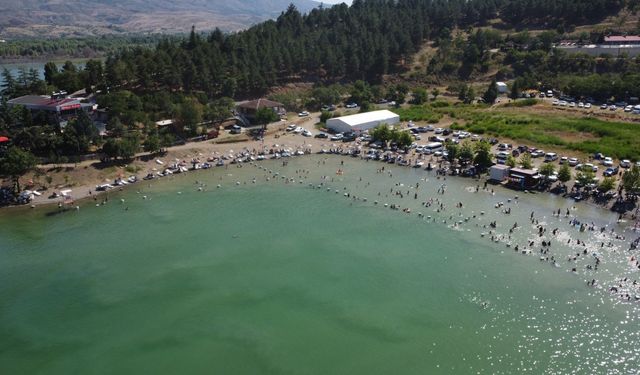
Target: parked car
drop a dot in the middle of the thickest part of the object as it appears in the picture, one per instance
(610, 172)
(349, 137)
(550, 156)
(625, 163)
(604, 106)
(555, 102)
(303, 114)
(573, 162)
(337, 137)
(537, 153)
(594, 168)
(563, 160)
(351, 105)
(587, 105)
(607, 161)
(321, 135)
(501, 157)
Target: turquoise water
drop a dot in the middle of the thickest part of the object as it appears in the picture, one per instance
(279, 277)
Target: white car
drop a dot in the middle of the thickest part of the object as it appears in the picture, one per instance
(337, 137)
(563, 103)
(608, 162)
(587, 105)
(594, 168)
(563, 160)
(291, 127)
(307, 133)
(628, 108)
(298, 130)
(573, 162)
(612, 107)
(303, 114)
(580, 105)
(572, 104)
(351, 105)
(625, 163)
(439, 130)
(604, 106)
(555, 102)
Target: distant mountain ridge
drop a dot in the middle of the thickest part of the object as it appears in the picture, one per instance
(56, 18)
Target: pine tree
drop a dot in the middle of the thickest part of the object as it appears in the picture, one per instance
(515, 90)
(491, 94)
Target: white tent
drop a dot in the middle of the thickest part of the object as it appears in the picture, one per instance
(362, 121)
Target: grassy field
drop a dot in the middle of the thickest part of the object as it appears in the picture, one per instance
(588, 135)
(425, 112)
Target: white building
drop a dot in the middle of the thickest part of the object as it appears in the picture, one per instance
(362, 121)
(502, 87)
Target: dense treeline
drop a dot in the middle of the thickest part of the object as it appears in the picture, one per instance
(364, 41)
(74, 47)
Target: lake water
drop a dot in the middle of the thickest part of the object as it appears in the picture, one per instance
(277, 276)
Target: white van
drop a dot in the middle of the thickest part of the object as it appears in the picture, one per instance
(550, 156)
(432, 147)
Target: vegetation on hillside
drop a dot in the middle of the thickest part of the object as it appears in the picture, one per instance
(89, 47)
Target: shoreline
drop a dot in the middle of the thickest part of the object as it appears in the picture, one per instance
(276, 139)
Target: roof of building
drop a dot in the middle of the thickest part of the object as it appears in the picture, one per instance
(363, 118)
(622, 38)
(500, 166)
(528, 172)
(45, 102)
(260, 103)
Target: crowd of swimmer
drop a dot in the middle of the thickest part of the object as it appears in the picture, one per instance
(586, 259)
(587, 255)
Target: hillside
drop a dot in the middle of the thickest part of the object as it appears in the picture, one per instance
(55, 18)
